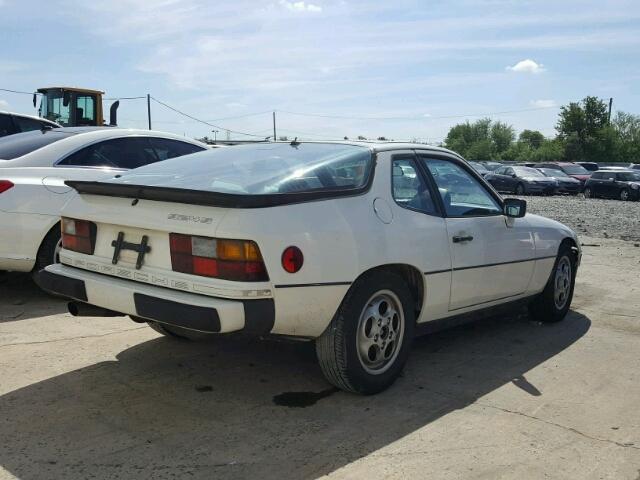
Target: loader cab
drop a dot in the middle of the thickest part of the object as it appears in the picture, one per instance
(71, 107)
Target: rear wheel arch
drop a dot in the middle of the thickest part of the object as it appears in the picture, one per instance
(409, 273)
(45, 243)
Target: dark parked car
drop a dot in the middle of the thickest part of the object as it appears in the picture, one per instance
(624, 185)
(11, 123)
(566, 184)
(491, 166)
(572, 169)
(591, 166)
(521, 180)
(480, 168)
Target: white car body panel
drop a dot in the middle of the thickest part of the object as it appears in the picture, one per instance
(30, 209)
(341, 239)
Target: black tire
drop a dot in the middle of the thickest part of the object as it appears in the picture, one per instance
(175, 332)
(337, 350)
(588, 193)
(520, 189)
(544, 307)
(624, 195)
(47, 251)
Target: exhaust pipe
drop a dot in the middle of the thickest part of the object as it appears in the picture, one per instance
(113, 114)
(80, 309)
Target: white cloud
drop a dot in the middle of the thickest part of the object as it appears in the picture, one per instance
(4, 105)
(543, 103)
(527, 66)
(300, 6)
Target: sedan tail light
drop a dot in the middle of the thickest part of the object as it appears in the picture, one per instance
(238, 260)
(78, 235)
(5, 185)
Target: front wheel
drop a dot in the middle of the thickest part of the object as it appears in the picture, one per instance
(366, 345)
(553, 303)
(519, 189)
(588, 193)
(624, 194)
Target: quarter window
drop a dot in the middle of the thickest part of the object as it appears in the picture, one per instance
(166, 148)
(462, 194)
(409, 189)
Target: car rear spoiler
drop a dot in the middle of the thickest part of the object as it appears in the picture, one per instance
(210, 199)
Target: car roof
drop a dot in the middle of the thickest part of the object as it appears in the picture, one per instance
(385, 146)
(32, 117)
(79, 137)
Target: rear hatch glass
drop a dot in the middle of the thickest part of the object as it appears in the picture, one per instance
(264, 169)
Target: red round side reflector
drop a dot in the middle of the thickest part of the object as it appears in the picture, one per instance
(292, 259)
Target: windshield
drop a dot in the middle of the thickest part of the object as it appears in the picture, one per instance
(575, 170)
(629, 176)
(266, 168)
(527, 172)
(550, 172)
(20, 144)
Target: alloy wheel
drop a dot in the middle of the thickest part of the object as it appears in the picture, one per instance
(562, 283)
(380, 332)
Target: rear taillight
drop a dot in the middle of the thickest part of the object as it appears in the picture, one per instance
(78, 235)
(5, 185)
(238, 260)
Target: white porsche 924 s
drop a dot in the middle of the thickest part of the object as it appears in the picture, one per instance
(358, 246)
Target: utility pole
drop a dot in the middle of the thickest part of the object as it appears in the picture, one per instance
(609, 116)
(275, 139)
(149, 109)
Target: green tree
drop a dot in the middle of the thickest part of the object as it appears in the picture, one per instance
(549, 151)
(480, 140)
(627, 127)
(581, 129)
(532, 138)
(502, 136)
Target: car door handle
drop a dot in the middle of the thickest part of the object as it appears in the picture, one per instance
(458, 238)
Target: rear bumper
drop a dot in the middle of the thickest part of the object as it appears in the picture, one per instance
(181, 309)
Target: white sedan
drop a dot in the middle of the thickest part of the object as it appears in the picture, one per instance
(357, 246)
(35, 165)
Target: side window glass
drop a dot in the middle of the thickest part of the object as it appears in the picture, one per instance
(408, 188)
(85, 110)
(461, 193)
(501, 170)
(166, 148)
(117, 153)
(6, 125)
(509, 171)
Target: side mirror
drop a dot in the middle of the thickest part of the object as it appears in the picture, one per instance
(514, 207)
(66, 98)
(34, 99)
(513, 175)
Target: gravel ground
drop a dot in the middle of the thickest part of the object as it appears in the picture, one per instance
(591, 217)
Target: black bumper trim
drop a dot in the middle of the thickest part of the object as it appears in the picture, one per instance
(259, 316)
(61, 285)
(204, 319)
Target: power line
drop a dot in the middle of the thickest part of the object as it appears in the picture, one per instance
(17, 91)
(203, 121)
(125, 98)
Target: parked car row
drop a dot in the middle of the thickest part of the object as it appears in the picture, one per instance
(551, 178)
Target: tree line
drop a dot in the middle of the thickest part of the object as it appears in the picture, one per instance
(584, 133)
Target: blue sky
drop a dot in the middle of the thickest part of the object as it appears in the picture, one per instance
(402, 69)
